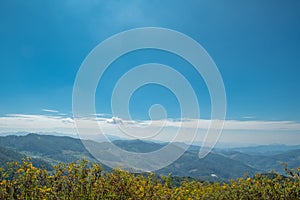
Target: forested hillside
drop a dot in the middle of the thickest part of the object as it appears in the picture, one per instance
(219, 165)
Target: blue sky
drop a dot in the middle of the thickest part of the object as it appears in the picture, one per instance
(255, 45)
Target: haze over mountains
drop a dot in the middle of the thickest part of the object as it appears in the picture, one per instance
(223, 164)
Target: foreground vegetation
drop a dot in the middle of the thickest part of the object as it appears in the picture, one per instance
(82, 180)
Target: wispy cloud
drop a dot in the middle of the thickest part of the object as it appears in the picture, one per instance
(50, 111)
(36, 123)
(249, 117)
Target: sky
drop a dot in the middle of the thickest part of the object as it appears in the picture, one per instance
(255, 45)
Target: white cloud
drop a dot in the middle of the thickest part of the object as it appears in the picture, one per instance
(248, 117)
(67, 120)
(36, 123)
(114, 120)
(262, 125)
(253, 131)
(49, 110)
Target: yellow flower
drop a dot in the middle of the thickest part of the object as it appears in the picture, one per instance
(141, 189)
(20, 170)
(3, 182)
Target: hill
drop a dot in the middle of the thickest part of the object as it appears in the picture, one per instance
(218, 165)
(221, 167)
(8, 155)
(267, 162)
(213, 167)
(266, 150)
(51, 148)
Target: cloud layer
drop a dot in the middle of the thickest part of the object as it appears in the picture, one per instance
(235, 131)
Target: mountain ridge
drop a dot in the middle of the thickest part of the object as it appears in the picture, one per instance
(223, 164)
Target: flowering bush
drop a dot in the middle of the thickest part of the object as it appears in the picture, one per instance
(82, 180)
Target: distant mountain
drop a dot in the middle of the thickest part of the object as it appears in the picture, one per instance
(267, 162)
(138, 146)
(218, 165)
(13, 133)
(190, 165)
(24, 133)
(265, 150)
(212, 166)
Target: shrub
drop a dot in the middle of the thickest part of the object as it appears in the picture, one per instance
(82, 180)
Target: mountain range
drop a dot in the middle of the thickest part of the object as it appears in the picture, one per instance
(220, 164)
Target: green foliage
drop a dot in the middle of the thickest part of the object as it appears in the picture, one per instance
(81, 180)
